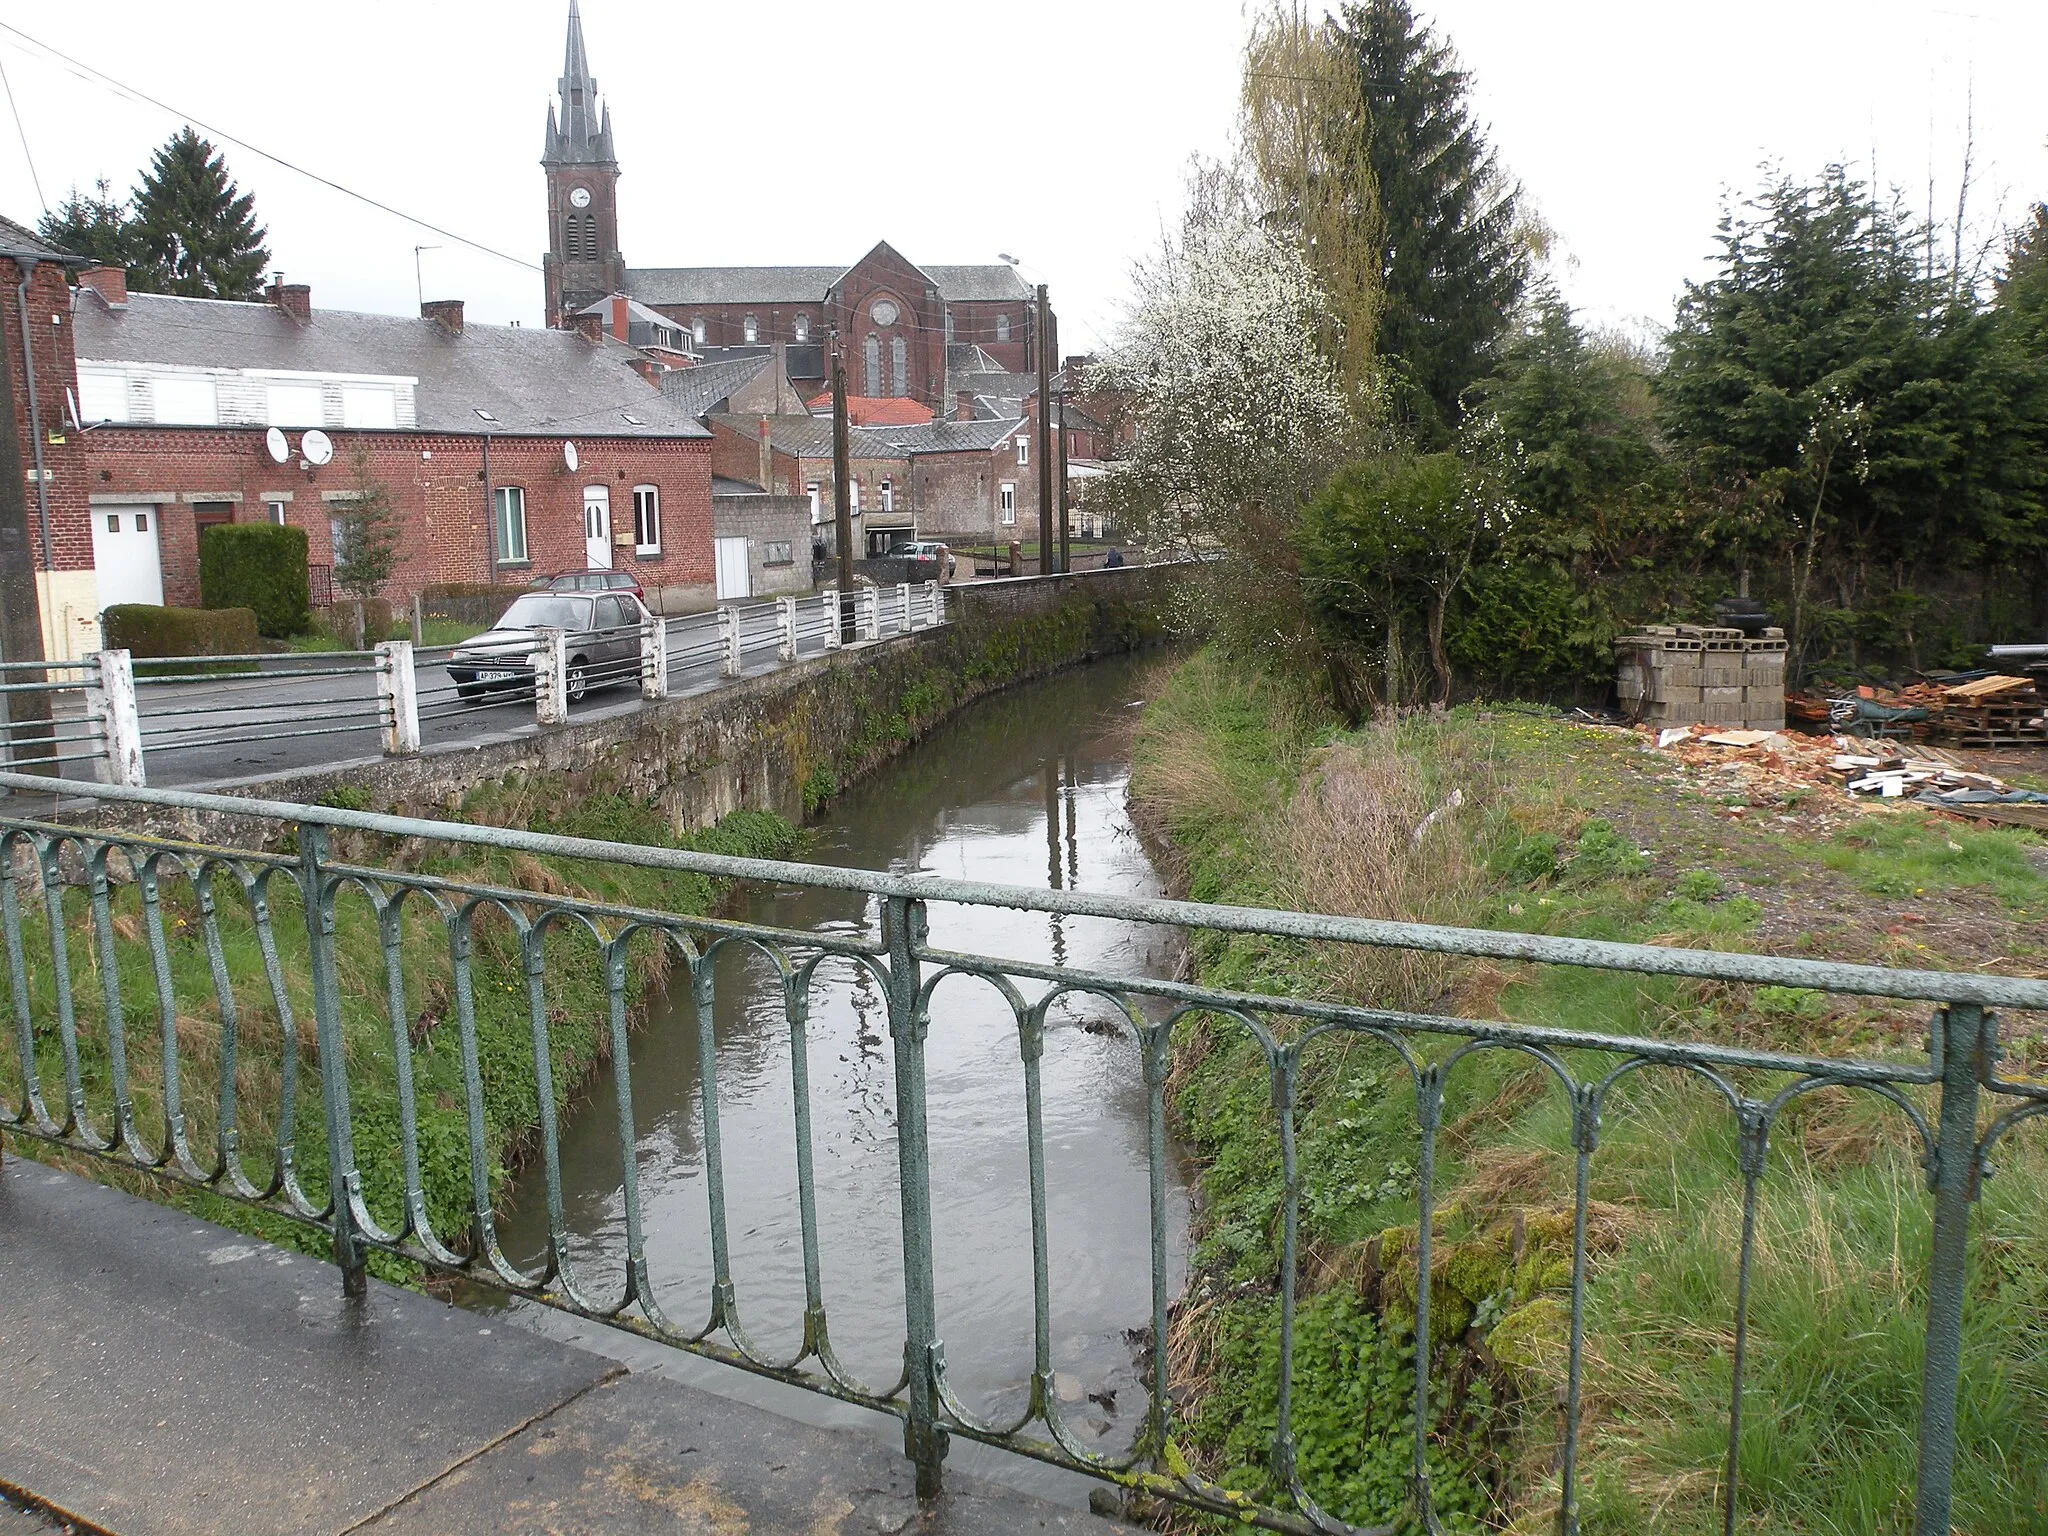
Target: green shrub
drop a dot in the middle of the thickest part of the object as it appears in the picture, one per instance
(1604, 854)
(144, 630)
(1699, 885)
(258, 566)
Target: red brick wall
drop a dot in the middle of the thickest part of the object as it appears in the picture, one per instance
(437, 482)
(56, 372)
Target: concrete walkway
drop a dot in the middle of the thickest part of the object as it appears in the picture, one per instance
(167, 1377)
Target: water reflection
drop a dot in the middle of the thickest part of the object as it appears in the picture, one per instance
(1025, 789)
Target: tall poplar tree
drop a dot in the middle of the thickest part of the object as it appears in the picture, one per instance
(1454, 265)
(195, 232)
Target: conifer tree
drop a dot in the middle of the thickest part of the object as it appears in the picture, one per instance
(1455, 268)
(94, 226)
(195, 232)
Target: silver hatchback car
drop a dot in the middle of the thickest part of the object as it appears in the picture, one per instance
(603, 640)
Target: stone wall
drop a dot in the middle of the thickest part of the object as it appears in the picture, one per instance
(786, 740)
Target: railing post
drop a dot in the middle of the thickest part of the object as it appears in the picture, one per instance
(871, 613)
(924, 1437)
(551, 677)
(343, 1180)
(653, 657)
(938, 604)
(903, 597)
(398, 698)
(931, 604)
(833, 619)
(1964, 1044)
(785, 629)
(729, 641)
(110, 700)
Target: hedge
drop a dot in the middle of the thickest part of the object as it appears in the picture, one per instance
(258, 566)
(144, 630)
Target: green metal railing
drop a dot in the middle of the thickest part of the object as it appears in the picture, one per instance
(60, 885)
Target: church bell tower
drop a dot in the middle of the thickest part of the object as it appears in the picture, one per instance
(583, 262)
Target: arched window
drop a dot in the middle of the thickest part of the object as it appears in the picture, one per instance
(874, 361)
(803, 327)
(899, 366)
(1002, 327)
(751, 329)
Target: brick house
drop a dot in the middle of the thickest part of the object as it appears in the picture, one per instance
(510, 452)
(36, 279)
(905, 326)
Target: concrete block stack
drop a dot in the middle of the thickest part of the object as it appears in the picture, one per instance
(1691, 674)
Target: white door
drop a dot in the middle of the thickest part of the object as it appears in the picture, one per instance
(124, 553)
(597, 526)
(732, 569)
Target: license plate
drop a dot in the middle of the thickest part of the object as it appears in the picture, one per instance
(496, 677)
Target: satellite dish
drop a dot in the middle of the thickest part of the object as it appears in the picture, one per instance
(570, 456)
(277, 445)
(317, 446)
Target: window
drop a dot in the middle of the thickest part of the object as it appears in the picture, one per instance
(142, 522)
(337, 536)
(949, 322)
(1002, 327)
(697, 330)
(1023, 450)
(813, 490)
(751, 329)
(189, 401)
(1006, 499)
(275, 511)
(511, 519)
(874, 361)
(888, 495)
(647, 519)
(293, 405)
(899, 365)
(102, 397)
(611, 614)
(777, 552)
(803, 328)
(368, 406)
(855, 505)
(113, 522)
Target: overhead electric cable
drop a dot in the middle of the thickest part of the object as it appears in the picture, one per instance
(240, 143)
(25, 152)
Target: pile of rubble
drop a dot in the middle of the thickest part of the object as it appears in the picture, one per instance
(1987, 711)
(1766, 766)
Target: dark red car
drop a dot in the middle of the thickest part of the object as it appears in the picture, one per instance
(593, 581)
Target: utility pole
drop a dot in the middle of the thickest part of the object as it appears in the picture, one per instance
(1045, 544)
(842, 494)
(21, 611)
(1066, 559)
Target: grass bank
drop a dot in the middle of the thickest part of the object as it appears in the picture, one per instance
(573, 992)
(1513, 820)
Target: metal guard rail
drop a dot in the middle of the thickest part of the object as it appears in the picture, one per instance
(1940, 1094)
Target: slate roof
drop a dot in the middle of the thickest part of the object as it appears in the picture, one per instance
(947, 436)
(731, 285)
(700, 390)
(20, 240)
(535, 382)
(970, 284)
(635, 310)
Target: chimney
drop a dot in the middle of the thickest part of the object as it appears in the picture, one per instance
(110, 283)
(963, 405)
(767, 458)
(446, 313)
(619, 317)
(590, 327)
(295, 299)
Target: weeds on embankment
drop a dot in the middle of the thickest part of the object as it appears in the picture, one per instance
(1508, 819)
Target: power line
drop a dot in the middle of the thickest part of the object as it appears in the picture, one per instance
(240, 143)
(13, 107)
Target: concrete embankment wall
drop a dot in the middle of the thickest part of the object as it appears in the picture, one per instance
(774, 741)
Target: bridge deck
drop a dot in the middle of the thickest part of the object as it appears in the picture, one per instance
(167, 1376)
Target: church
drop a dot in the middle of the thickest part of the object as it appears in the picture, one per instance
(907, 330)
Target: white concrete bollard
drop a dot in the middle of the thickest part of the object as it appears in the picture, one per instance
(903, 623)
(551, 677)
(834, 634)
(870, 613)
(785, 629)
(654, 657)
(931, 604)
(729, 641)
(110, 700)
(398, 698)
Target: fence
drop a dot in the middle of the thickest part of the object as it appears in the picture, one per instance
(235, 945)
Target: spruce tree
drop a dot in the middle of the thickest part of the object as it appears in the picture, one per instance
(195, 233)
(1454, 267)
(96, 227)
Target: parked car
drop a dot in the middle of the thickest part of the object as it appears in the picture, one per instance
(594, 581)
(924, 549)
(603, 641)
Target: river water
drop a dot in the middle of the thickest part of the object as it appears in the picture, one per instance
(1027, 788)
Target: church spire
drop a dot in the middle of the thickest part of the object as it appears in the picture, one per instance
(579, 134)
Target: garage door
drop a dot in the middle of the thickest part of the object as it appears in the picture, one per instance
(124, 553)
(732, 569)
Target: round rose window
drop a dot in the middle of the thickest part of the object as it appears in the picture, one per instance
(884, 312)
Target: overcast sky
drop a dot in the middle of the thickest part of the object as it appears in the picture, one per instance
(789, 131)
